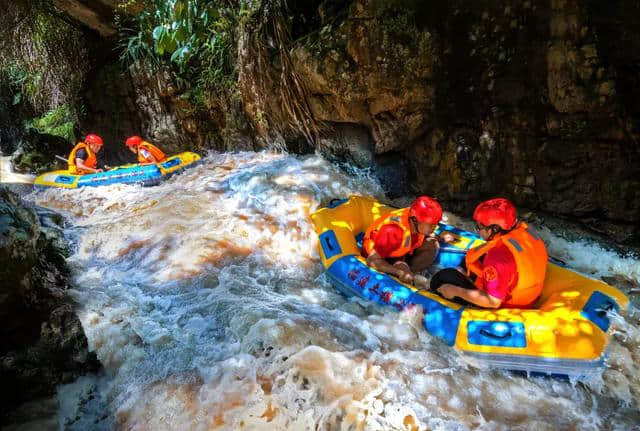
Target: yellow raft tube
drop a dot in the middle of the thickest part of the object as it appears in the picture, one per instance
(150, 174)
(565, 333)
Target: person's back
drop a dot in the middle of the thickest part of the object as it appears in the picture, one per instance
(146, 151)
(398, 242)
(499, 273)
(507, 271)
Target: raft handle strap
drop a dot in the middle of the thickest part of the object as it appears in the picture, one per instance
(327, 241)
(492, 335)
(604, 308)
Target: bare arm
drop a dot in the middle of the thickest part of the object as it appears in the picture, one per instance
(152, 158)
(148, 156)
(80, 164)
(475, 296)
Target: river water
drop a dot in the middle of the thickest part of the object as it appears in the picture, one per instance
(204, 299)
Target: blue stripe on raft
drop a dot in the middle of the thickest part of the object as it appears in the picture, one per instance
(596, 309)
(134, 174)
(492, 333)
(330, 244)
(354, 278)
(439, 320)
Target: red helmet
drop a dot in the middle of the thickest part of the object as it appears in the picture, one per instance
(499, 211)
(133, 141)
(426, 210)
(93, 139)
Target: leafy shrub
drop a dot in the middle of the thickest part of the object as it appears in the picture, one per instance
(58, 122)
(193, 36)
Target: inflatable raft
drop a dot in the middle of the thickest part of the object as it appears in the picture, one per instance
(565, 333)
(146, 174)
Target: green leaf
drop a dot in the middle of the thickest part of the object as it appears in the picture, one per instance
(212, 12)
(178, 9)
(181, 55)
(158, 32)
(181, 34)
(176, 55)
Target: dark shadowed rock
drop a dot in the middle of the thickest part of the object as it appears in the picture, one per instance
(36, 153)
(522, 99)
(97, 15)
(348, 142)
(43, 343)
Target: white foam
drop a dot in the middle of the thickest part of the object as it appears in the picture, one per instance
(203, 298)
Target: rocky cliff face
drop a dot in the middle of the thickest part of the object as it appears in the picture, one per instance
(43, 343)
(515, 98)
(536, 101)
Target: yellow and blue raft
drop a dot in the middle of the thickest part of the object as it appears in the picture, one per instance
(565, 333)
(150, 174)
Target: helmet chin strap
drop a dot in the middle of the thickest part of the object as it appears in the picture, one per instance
(495, 229)
(414, 223)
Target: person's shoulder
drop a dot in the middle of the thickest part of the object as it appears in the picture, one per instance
(500, 253)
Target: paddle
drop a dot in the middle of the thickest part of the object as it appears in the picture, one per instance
(107, 167)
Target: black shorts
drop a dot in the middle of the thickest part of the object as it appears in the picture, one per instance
(451, 276)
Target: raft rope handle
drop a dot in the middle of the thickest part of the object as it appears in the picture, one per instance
(492, 335)
(604, 308)
(327, 241)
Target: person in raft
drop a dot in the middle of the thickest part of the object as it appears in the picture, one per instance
(147, 152)
(507, 271)
(83, 159)
(400, 243)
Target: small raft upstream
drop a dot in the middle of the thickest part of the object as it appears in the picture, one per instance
(150, 174)
(564, 333)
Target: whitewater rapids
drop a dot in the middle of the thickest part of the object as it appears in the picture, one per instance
(204, 299)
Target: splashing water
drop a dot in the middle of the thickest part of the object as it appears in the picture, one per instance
(204, 299)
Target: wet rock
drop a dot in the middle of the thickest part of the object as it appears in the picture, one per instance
(477, 111)
(391, 170)
(43, 343)
(348, 142)
(10, 129)
(377, 71)
(36, 153)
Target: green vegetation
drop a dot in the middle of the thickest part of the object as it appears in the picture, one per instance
(23, 84)
(192, 36)
(41, 54)
(58, 122)
(196, 40)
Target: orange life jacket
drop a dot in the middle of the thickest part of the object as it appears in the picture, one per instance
(155, 152)
(90, 162)
(531, 257)
(399, 218)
